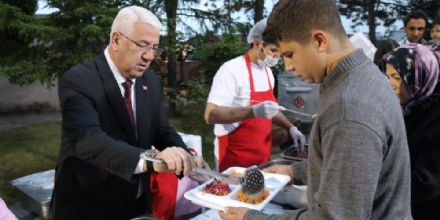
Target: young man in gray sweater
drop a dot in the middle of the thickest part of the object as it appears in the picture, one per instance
(358, 165)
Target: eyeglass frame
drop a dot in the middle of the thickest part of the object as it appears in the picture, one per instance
(144, 48)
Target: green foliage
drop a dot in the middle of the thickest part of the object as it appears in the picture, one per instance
(23, 49)
(430, 7)
(42, 48)
(369, 12)
(82, 32)
(193, 92)
(357, 10)
(213, 55)
(27, 6)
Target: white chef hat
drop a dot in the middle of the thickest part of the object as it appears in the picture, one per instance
(256, 32)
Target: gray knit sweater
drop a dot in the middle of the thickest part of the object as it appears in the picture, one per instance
(358, 166)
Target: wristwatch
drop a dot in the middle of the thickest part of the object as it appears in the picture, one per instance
(148, 165)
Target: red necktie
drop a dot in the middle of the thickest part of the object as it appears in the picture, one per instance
(127, 100)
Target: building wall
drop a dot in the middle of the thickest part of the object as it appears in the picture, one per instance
(13, 97)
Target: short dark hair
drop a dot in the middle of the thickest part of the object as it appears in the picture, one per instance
(384, 47)
(293, 20)
(436, 21)
(416, 14)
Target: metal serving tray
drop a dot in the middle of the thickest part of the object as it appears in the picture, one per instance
(36, 192)
(275, 162)
(292, 195)
(290, 154)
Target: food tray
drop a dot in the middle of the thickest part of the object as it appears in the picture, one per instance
(273, 183)
(290, 153)
(275, 162)
(36, 192)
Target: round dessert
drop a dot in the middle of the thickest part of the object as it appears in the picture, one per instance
(218, 188)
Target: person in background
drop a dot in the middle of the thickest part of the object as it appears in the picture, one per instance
(413, 73)
(435, 36)
(111, 116)
(358, 161)
(5, 213)
(242, 106)
(435, 30)
(414, 26)
(384, 47)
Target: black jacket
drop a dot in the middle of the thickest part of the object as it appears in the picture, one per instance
(423, 131)
(100, 148)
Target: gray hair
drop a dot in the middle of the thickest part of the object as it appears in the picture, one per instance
(126, 17)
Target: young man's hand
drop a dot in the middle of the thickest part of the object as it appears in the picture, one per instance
(236, 213)
(281, 169)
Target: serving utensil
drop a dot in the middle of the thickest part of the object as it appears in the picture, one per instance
(252, 181)
(282, 108)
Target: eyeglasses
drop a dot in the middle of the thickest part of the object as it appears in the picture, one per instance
(144, 47)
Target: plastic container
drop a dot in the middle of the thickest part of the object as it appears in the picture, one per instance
(273, 184)
(359, 40)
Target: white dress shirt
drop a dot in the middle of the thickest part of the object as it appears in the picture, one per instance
(121, 79)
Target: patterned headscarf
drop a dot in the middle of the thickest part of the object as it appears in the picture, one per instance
(418, 66)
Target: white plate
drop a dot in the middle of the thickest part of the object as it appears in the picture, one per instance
(273, 183)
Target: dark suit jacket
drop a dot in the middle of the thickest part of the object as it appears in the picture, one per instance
(423, 131)
(100, 149)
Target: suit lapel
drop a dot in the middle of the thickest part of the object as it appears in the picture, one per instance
(143, 100)
(115, 98)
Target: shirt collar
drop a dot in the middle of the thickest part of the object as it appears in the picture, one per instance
(118, 76)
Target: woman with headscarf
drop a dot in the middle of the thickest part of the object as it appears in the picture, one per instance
(413, 72)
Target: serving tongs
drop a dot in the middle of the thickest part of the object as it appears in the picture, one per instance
(196, 176)
(151, 159)
(282, 108)
(252, 182)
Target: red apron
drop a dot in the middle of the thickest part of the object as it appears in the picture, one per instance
(251, 143)
(163, 188)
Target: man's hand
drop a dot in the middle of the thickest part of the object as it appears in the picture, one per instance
(281, 169)
(297, 136)
(236, 213)
(200, 162)
(200, 178)
(266, 109)
(176, 159)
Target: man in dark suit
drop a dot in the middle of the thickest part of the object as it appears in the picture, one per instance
(112, 113)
